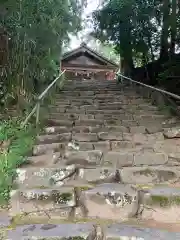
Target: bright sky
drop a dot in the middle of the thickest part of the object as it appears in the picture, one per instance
(92, 5)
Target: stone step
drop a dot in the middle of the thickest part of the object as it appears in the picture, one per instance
(56, 122)
(121, 116)
(78, 107)
(115, 159)
(90, 231)
(105, 155)
(37, 201)
(48, 159)
(126, 200)
(105, 98)
(86, 92)
(70, 116)
(52, 138)
(86, 129)
(57, 130)
(139, 156)
(150, 129)
(99, 137)
(59, 175)
(75, 202)
(78, 146)
(41, 149)
(162, 204)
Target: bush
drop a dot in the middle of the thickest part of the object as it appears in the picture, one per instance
(15, 144)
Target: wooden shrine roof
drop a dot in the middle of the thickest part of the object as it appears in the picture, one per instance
(86, 58)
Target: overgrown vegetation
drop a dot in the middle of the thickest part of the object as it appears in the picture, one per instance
(33, 34)
(16, 144)
(144, 32)
(165, 201)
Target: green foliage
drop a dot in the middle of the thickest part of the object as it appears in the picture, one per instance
(14, 155)
(164, 201)
(105, 49)
(37, 31)
(141, 30)
(171, 68)
(126, 24)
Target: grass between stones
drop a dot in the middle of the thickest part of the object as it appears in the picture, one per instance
(15, 145)
(20, 220)
(164, 201)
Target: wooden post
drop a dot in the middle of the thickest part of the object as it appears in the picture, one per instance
(37, 113)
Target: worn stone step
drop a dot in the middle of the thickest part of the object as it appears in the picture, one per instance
(48, 159)
(85, 129)
(129, 159)
(53, 231)
(77, 93)
(54, 108)
(162, 204)
(106, 152)
(56, 129)
(93, 203)
(111, 111)
(44, 177)
(149, 118)
(42, 149)
(130, 232)
(56, 122)
(59, 175)
(90, 231)
(119, 116)
(150, 174)
(55, 201)
(105, 107)
(116, 159)
(70, 116)
(52, 138)
(67, 137)
(100, 200)
(136, 138)
(83, 158)
(89, 122)
(77, 146)
(95, 136)
(123, 152)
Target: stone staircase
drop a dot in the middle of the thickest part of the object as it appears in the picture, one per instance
(107, 166)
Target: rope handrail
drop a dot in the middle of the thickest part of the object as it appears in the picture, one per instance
(50, 86)
(151, 87)
(39, 99)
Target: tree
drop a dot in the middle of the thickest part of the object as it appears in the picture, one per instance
(173, 24)
(142, 31)
(164, 51)
(36, 30)
(106, 50)
(126, 24)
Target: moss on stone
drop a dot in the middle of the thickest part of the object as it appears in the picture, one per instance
(144, 186)
(75, 238)
(164, 201)
(65, 197)
(85, 188)
(42, 187)
(21, 219)
(146, 172)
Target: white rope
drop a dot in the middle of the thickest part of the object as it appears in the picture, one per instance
(151, 87)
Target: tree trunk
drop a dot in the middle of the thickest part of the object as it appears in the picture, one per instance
(151, 48)
(165, 30)
(173, 27)
(126, 49)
